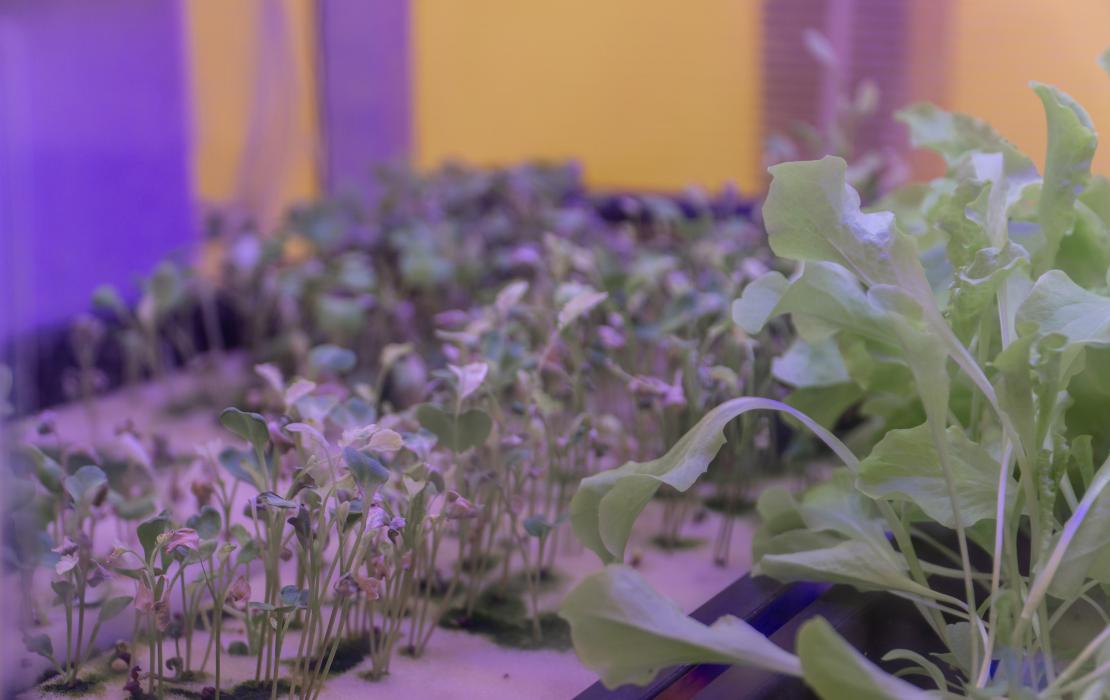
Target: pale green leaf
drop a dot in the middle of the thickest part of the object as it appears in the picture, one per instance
(627, 632)
(579, 305)
(249, 426)
(836, 671)
(606, 505)
(905, 466)
(1058, 305)
(87, 484)
(813, 214)
(1071, 147)
(954, 135)
(757, 303)
(470, 429)
(807, 364)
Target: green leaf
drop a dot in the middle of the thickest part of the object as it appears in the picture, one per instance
(834, 670)
(112, 607)
(294, 597)
(954, 135)
(272, 500)
(207, 522)
(148, 533)
(249, 426)
(537, 526)
(976, 284)
(580, 304)
(87, 485)
(39, 644)
(331, 358)
(50, 474)
(131, 508)
(470, 430)
(949, 215)
(1071, 147)
(368, 471)
(243, 466)
(825, 404)
(904, 466)
(810, 365)
(813, 214)
(627, 632)
(843, 541)
(757, 303)
(1058, 305)
(826, 298)
(606, 505)
(1104, 60)
(1088, 553)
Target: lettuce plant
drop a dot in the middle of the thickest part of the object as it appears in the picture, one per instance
(978, 314)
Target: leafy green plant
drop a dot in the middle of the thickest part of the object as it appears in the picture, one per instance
(986, 322)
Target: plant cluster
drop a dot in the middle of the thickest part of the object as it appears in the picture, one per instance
(967, 320)
(431, 382)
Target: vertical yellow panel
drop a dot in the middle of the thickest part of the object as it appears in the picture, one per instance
(647, 93)
(221, 40)
(998, 46)
(253, 94)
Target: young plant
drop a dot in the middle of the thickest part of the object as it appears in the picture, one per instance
(991, 319)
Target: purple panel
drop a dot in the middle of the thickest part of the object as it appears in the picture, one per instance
(95, 183)
(365, 98)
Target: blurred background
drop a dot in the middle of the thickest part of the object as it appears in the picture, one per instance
(125, 124)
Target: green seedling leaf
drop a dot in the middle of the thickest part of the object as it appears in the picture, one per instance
(537, 526)
(166, 288)
(626, 632)
(243, 466)
(469, 378)
(112, 607)
(272, 500)
(207, 522)
(248, 426)
(88, 485)
(510, 295)
(50, 474)
(833, 669)
(106, 297)
(150, 530)
(905, 466)
(331, 358)
(368, 471)
(470, 430)
(579, 305)
(293, 597)
(606, 505)
(131, 508)
(353, 413)
(39, 644)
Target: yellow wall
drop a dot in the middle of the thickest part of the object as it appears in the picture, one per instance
(646, 93)
(998, 46)
(227, 67)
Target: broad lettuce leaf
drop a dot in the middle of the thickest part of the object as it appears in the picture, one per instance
(627, 632)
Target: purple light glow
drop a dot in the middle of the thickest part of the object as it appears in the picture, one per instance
(95, 184)
(365, 108)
